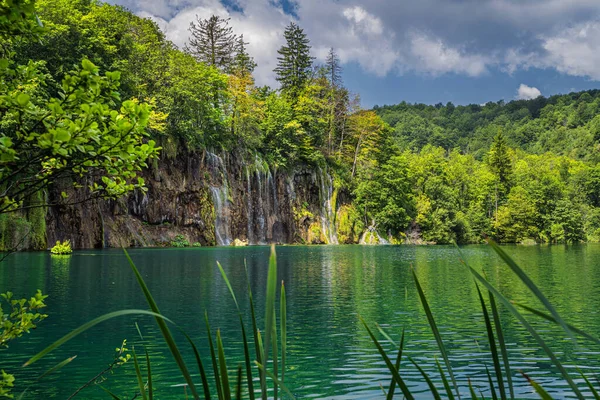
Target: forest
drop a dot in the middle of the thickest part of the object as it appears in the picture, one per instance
(522, 171)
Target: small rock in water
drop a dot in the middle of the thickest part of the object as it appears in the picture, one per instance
(238, 243)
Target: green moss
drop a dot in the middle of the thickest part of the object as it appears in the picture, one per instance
(62, 248)
(349, 224)
(315, 234)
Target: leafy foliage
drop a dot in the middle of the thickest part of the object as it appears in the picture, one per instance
(62, 248)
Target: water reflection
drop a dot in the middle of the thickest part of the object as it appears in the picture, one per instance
(330, 354)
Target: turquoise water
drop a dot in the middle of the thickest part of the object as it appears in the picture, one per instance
(328, 287)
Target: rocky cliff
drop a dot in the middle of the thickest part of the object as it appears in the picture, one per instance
(213, 199)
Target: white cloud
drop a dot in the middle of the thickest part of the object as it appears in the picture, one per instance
(434, 57)
(431, 37)
(576, 50)
(525, 92)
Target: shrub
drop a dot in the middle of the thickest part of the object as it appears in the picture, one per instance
(180, 241)
(62, 248)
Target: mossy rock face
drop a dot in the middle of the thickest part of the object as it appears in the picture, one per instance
(315, 234)
(348, 224)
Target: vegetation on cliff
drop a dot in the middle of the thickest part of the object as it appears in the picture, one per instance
(524, 170)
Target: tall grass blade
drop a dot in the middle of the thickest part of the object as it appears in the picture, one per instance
(203, 376)
(502, 344)
(493, 350)
(538, 388)
(589, 384)
(149, 379)
(89, 325)
(138, 374)
(111, 394)
(270, 306)
(56, 367)
(390, 394)
(164, 329)
(432, 388)
(257, 341)
(213, 357)
(435, 331)
(238, 386)
(491, 382)
(532, 286)
(277, 381)
(283, 325)
(472, 391)
(223, 367)
(275, 357)
(389, 364)
(444, 380)
(244, 337)
(386, 336)
(530, 329)
(552, 319)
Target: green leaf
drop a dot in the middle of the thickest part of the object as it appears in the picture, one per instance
(434, 329)
(23, 99)
(89, 325)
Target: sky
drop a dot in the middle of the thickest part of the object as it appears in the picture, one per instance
(424, 51)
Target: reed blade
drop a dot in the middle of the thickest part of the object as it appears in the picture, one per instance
(390, 393)
(493, 349)
(275, 358)
(57, 367)
(149, 379)
(530, 329)
(388, 363)
(270, 305)
(532, 286)
(111, 394)
(277, 381)
(257, 342)
(502, 344)
(472, 391)
(538, 388)
(223, 367)
(552, 319)
(213, 357)
(164, 329)
(138, 374)
(283, 328)
(491, 382)
(432, 388)
(88, 325)
(447, 387)
(589, 384)
(246, 348)
(436, 332)
(238, 386)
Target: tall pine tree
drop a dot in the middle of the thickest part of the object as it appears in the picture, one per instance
(212, 41)
(333, 68)
(294, 63)
(243, 63)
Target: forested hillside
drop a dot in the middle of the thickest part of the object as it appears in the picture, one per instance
(301, 163)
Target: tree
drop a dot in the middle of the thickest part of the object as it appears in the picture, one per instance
(501, 165)
(243, 63)
(294, 63)
(82, 135)
(212, 41)
(333, 68)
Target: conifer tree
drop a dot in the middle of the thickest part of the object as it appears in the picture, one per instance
(243, 62)
(294, 63)
(212, 41)
(499, 160)
(333, 68)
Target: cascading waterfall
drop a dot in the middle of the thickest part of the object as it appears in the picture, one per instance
(220, 195)
(327, 207)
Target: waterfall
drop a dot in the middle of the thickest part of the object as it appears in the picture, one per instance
(327, 207)
(219, 189)
(371, 236)
(249, 213)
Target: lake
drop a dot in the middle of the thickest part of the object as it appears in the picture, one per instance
(330, 354)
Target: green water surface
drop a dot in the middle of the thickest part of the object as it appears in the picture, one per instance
(328, 287)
